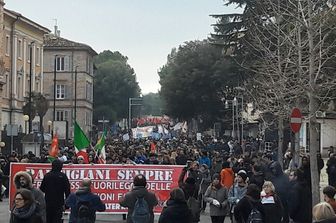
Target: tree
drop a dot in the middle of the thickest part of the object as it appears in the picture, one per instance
(194, 80)
(39, 106)
(152, 104)
(114, 84)
(293, 44)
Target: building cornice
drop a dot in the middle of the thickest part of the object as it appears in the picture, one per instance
(23, 19)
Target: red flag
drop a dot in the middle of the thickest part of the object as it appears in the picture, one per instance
(153, 147)
(53, 152)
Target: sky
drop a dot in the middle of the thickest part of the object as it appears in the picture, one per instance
(143, 30)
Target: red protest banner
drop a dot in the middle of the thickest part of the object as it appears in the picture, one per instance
(109, 181)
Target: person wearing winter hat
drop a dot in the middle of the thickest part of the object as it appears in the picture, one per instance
(23, 179)
(80, 159)
(237, 191)
(217, 196)
(242, 174)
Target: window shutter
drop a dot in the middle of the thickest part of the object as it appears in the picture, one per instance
(66, 63)
(67, 92)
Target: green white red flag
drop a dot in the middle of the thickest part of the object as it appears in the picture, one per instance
(81, 142)
(100, 149)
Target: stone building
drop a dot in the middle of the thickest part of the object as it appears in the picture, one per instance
(2, 52)
(19, 35)
(64, 60)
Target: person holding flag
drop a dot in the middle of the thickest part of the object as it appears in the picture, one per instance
(54, 149)
(81, 142)
(100, 149)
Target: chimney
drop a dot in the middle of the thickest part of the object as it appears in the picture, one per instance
(56, 31)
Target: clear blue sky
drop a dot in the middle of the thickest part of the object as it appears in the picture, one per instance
(143, 30)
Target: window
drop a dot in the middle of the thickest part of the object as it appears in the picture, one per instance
(18, 88)
(61, 115)
(28, 85)
(87, 119)
(60, 61)
(7, 45)
(28, 52)
(60, 91)
(89, 90)
(38, 56)
(37, 87)
(6, 86)
(19, 49)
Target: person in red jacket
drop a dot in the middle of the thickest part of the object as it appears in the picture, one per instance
(227, 175)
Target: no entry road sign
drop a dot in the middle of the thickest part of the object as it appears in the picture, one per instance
(296, 120)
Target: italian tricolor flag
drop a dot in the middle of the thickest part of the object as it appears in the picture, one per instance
(81, 142)
(100, 149)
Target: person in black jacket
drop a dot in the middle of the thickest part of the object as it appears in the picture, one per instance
(331, 170)
(258, 177)
(271, 203)
(55, 185)
(281, 184)
(177, 210)
(299, 199)
(191, 190)
(139, 190)
(249, 201)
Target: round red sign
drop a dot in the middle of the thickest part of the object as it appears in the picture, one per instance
(296, 120)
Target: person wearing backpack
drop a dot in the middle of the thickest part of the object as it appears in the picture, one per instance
(249, 209)
(84, 204)
(191, 192)
(140, 202)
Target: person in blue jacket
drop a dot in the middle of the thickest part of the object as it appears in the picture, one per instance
(204, 159)
(82, 195)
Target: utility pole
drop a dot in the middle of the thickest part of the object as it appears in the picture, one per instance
(30, 87)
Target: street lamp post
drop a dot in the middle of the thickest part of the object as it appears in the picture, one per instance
(54, 107)
(49, 126)
(132, 102)
(30, 87)
(75, 115)
(103, 121)
(241, 95)
(233, 102)
(25, 119)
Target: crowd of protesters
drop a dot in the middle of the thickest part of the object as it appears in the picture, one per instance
(233, 180)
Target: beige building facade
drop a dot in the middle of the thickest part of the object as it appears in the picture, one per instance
(68, 83)
(2, 62)
(19, 36)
